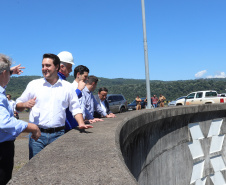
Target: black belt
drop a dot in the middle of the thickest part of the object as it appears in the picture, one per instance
(51, 130)
(7, 142)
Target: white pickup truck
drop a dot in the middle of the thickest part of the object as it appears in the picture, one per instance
(203, 97)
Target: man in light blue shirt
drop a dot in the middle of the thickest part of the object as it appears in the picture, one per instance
(89, 103)
(10, 127)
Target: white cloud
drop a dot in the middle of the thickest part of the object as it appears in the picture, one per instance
(218, 75)
(210, 76)
(200, 74)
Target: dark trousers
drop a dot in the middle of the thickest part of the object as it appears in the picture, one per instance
(6, 161)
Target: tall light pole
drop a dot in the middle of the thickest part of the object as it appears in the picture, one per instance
(146, 57)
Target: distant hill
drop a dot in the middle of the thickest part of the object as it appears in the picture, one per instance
(17, 85)
(130, 88)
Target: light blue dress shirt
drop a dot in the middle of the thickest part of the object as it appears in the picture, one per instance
(10, 127)
(89, 104)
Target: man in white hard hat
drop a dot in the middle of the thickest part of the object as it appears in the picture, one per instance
(66, 62)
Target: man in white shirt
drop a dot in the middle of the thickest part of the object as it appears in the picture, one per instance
(81, 75)
(48, 99)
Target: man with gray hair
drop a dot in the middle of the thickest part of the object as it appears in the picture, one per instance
(10, 127)
(66, 62)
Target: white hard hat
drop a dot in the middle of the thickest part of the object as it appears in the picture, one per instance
(66, 57)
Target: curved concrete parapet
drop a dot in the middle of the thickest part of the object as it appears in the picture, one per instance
(178, 146)
(91, 157)
(181, 145)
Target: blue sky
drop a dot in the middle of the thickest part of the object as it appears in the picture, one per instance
(186, 38)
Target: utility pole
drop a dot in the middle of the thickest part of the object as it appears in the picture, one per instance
(146, 58)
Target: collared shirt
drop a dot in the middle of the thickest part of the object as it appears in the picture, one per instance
(62, 76)
(10, 127)
(103, 106)
(51, 102)
(89, 104)
(75, 86)
(12, 104)
(70, 121)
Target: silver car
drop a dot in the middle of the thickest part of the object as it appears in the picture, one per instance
(117, 103)
(175, 102)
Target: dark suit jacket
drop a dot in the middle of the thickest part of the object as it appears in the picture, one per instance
(108, 111)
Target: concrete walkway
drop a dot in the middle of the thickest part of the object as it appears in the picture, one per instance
(21, 147)
(21, 154)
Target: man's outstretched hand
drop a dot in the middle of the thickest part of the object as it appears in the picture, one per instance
(85, 126)
(17, 69)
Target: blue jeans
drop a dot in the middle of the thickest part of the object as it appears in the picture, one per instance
(45, 139)
(154, 105)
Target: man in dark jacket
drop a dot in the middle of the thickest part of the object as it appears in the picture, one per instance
(101, 99)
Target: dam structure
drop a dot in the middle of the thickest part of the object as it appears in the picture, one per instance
(180, 145)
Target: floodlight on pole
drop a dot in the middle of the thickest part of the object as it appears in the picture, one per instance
(146, 58)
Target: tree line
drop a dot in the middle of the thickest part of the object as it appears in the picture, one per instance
(130, 88)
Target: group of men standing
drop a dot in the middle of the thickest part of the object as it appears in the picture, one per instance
(57, 106)
(154, 101)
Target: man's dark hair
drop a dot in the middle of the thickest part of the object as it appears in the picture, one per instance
(92, 79)
(81, 69)
(55, 58)
(103, 89)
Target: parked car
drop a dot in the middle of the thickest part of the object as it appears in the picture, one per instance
(117, 103)
(204, 97)
(178, 101)
(132, 106)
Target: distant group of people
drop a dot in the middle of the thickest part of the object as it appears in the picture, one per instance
(56, 106)
(156, 102)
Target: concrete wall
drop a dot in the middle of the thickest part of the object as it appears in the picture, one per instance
(156, 146)
(145, 147)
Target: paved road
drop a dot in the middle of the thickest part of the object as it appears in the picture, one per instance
(21, 153)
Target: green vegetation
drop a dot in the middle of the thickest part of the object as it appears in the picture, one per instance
(17, 85)
(130, 88)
